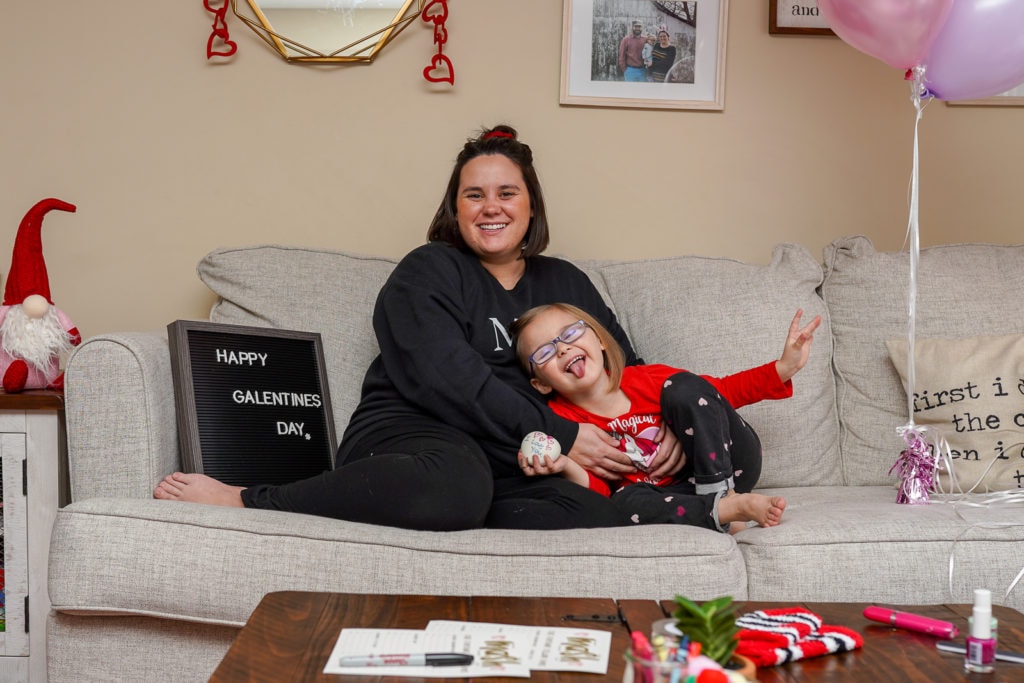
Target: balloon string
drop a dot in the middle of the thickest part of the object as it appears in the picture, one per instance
(913, 230)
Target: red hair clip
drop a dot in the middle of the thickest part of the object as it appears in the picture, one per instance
(497, 134)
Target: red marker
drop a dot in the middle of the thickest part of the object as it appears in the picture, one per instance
(912, 622)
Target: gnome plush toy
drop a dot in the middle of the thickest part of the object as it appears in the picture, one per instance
(34, 333)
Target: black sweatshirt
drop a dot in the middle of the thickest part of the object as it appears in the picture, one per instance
(442, 324)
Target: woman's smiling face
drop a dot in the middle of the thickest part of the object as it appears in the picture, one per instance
(493, 207)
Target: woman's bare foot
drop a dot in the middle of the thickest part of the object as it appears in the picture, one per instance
(750, 507)
(198, 488)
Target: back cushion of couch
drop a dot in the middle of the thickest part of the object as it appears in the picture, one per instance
(313, 290)
(963, 290)
(719, 316)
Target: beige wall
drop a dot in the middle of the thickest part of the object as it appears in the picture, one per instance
(114, 107)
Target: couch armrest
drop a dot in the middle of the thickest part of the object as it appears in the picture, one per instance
(121, 419)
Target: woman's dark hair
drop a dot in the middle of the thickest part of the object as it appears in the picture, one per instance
(502, 140)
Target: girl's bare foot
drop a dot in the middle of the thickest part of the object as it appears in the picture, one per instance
(198, 488)
(750, 507)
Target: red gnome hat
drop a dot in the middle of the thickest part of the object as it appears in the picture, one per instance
(28, 270)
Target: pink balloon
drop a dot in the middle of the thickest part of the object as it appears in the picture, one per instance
(979, 52)
(898, 32)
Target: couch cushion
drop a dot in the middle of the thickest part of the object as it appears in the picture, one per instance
(969, 390)
(211, 564)
(962, 290)
(318, 290)
(718, 316)
(856, 544)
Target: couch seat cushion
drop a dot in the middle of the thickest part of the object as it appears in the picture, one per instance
(855, 544)
(211, 564)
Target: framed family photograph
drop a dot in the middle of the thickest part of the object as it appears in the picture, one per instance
(645, 54)
(796, 16)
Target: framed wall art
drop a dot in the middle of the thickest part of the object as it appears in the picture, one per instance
(645, 54)
(796, 16)
(1010, 98)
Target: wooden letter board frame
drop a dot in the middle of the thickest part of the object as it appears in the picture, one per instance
(253, 405)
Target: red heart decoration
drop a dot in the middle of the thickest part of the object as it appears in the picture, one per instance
(440, 35)
(436, 63)
(226, 49)
(438, 17)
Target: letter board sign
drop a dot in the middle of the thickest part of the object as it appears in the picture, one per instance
(253, 404)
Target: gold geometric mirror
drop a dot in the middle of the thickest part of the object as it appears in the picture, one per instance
(327, 30)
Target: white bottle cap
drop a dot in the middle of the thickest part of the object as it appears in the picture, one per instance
(981, 617)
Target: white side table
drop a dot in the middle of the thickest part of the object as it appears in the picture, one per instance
(35, 484)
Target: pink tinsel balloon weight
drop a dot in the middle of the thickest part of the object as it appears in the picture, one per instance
(898, 32)
(979, 52)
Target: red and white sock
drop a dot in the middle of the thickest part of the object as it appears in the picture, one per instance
(776, 636)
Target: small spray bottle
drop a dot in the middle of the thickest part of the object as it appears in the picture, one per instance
(981, 636)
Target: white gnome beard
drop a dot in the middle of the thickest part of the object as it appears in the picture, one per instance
(34, 340)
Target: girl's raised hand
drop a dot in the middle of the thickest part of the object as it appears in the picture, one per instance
(798, 347)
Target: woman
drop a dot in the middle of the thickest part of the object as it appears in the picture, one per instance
(433, 442)
(662, 57)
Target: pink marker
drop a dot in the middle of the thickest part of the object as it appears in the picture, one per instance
(912, 622)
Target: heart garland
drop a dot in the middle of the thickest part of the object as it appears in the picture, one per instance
(225, 46)
(440, 69)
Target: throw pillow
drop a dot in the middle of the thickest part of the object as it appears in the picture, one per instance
(972, 391)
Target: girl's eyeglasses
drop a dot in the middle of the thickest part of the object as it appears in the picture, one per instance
(546, 352)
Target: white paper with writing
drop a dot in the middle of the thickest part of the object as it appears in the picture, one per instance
(388, 641)
(540, 648)
(498, 649)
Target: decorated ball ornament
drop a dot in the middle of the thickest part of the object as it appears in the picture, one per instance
(540, 445)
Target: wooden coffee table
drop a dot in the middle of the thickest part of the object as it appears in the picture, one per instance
(290, 635)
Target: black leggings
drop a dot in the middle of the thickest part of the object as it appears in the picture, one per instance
(419, 474)
(719, 446)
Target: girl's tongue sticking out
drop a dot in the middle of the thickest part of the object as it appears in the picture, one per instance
(577, 366)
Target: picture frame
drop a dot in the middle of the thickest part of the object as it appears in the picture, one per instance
(252, 403)
(801, 17)
(694, 67)
(1011, 98)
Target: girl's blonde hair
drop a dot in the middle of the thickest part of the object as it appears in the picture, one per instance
(614, 356)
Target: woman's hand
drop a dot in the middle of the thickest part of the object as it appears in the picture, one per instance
(598, 451)
(798, 347)
(670, 457)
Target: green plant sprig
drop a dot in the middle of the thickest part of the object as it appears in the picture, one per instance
(712, 624)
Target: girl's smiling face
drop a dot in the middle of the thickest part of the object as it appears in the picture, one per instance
(493, 207)
(577, 368)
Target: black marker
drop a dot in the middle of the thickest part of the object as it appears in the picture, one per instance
(428, 659)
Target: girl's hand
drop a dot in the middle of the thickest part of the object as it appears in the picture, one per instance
(541, 465)
(798, 347)
(597, 451)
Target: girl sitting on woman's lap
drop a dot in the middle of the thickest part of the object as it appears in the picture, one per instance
(572, 357)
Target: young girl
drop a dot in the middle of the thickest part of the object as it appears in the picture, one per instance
(571, 356)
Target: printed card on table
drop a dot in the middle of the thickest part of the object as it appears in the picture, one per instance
(390, 641)
(540, 648)
(497, 649)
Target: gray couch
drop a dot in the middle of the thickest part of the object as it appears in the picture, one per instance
(139, 584)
